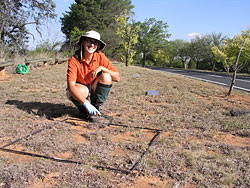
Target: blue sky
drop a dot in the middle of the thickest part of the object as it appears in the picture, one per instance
(185, 18)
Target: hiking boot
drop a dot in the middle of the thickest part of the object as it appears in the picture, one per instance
(100, 95)
(83, 115)
(88, 118)
(93, 119)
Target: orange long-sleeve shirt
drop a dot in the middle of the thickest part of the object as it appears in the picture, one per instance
(80, 71)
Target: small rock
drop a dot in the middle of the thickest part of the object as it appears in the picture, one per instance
(152, 92)
(239, 112)
(136, 76)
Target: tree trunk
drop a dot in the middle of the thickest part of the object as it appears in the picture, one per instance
(213, 65)
(183, 64)
(127, 54)
(232, 84)
(235, 69)
(186, 63)
(126, 59)
(143, 59)
(170, 62)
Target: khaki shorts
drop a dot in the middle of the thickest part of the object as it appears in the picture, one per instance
(70, 97)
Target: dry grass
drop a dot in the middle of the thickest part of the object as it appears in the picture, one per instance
(202, 145)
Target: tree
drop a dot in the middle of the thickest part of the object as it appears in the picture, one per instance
(15, 15)
(153, 36)
(216, 40)
(128, 33)
(179, 49)
(161, 57)
(235, 54)
(200, 51)
(98, 15)
(184, 54)
(75, 34)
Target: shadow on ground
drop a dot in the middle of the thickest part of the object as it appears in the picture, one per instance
(49, 110)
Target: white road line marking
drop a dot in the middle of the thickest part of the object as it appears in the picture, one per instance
(205, 80)
(217, 76)
(241, 88)
(244, 89)
(242, 80)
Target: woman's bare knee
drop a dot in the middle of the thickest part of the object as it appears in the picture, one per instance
(83, 90)
(105, 78)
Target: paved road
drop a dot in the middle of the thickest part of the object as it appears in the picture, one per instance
(242, 82)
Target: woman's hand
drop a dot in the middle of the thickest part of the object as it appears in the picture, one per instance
(96, 71)
(91, 109)
(115, 75)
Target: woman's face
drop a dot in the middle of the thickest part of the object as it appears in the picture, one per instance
(90, 45)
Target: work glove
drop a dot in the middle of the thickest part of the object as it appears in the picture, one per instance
(91, 109)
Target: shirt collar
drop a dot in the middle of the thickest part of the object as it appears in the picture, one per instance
(94, 58)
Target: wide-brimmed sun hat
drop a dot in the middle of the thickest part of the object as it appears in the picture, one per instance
(93, 35)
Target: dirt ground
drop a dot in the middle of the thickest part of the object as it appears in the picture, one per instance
(200, 143)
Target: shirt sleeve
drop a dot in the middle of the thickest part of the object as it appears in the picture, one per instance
(72, 70)
(107, 63)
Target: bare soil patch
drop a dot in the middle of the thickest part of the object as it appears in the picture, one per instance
(233, 140)
(201, 144)
(48, 180)
(150, 182)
